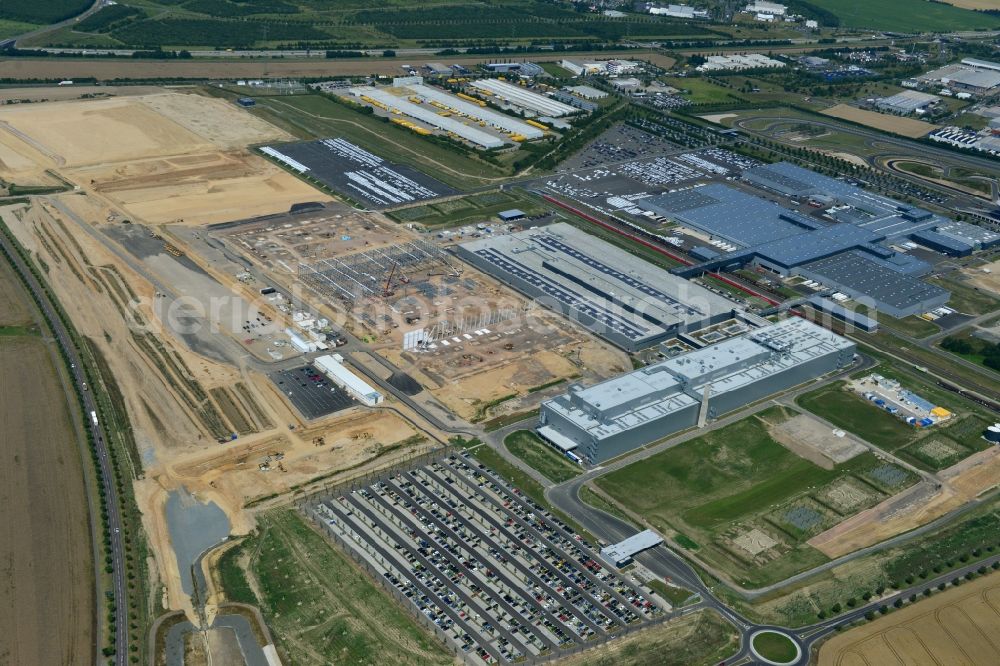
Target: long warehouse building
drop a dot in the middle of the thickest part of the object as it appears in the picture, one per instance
(496, 120)
(332, 365)
(518, 96)
(627, 301)
(615, 416)
(423, 114)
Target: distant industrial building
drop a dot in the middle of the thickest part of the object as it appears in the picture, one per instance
(497, 120)
(586, 92)
(739, 62)
(844, 314)
(906, 102)
(575, 102)
(615, 416)
(583, 68)
(333, 367)
(978, 77)
(386, 100)
(437, 69)
(625, 300)
(764, 7)
(679, 11)
(524, 99)
(527, 69)
(845, 247)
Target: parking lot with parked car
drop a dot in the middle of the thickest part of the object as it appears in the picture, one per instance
(502, 578)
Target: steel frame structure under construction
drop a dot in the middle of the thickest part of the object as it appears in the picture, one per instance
(366, 274)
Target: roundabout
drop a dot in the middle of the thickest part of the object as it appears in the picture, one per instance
(775, 647)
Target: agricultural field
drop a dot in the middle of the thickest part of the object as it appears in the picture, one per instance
(905, 16)
(748, 501)
(224, 23)
(528, 447)
(955, 626)
(41, 13)
(320, 607)
(909, 127)
(48, 580)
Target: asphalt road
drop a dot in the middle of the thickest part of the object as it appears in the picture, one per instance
(106, 474)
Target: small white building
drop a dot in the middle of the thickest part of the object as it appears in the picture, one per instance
(332, 365)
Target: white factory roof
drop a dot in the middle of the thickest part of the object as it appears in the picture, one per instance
(557, 438)
(623, 550)
(518, 96)
(473, 134)
(738, 62)
(647, 394)
(590, 275)
(497, 120)
(333, 367)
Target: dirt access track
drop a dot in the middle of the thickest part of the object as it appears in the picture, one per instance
(916, 506)
(166, 157)
(958, 626)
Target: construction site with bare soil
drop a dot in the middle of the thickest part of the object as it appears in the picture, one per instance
(208, 281)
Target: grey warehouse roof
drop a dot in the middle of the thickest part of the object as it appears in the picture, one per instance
(852, 270)
(584, 274)
(656, 391)
(728, 213)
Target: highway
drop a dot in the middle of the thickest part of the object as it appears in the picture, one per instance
(105, 472)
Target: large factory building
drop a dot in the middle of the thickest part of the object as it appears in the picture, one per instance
(625, 300)
(634, 409)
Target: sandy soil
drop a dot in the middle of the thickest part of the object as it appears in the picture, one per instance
(897, 125)
(163, 157)
(815, 441)
(45, 550)
(990, 281)
(718, 117)
(957, 626)
(223, 187)
(914, 507)
(847, 157)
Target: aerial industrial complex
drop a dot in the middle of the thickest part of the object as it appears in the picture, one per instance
(844, 241)
(627, 301)
(489, 358)
(604, 421)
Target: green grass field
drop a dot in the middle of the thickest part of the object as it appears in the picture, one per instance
(321, 608)
(482, 207)
(775, 647)
(316, 116)
(719, 487)
(703, 91)
(854, 414)
(966, 299)
(906, 15)
(528, 447)
(677, 596)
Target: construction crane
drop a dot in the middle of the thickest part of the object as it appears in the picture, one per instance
(387, 292)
